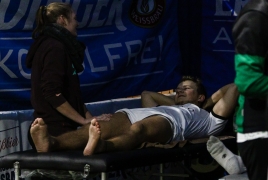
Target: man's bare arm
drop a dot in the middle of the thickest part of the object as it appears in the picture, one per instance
(67, 110)
(225, 100)
(215, 97)
(87, 113)
(152, 99)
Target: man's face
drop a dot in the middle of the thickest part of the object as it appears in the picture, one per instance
(186, 92)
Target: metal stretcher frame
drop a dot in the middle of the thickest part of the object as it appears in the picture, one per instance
(105, 162)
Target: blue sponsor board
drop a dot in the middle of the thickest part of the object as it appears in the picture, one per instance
(218, 49)
(131, 46)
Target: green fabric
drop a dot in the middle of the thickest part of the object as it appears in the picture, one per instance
(239, 114)
(250, 79)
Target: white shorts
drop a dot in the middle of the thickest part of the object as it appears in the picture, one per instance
(139, 114)
(187, 121)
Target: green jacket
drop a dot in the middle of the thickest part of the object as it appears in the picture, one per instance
(250, 33)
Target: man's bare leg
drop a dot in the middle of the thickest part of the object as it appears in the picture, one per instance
(40, 135)
(77, 139)
(152, 129)
(94, 136)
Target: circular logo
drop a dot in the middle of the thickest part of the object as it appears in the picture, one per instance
(146, 13)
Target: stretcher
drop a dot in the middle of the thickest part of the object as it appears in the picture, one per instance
(104, 163)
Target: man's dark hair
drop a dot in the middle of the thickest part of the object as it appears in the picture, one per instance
(200, 87)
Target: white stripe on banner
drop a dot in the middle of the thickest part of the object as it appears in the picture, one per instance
(230, 21)
(15, 38)
(14, 90)
(91, 84)
(29, 38)
(222, 50)
(123, 77)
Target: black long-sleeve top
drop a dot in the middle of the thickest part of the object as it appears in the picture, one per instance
(53, 82)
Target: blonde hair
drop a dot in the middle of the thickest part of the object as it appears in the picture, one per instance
(49, 14)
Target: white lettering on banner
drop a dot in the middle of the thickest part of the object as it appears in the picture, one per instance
(4, 4)
(114, 14)
(5, 68)
(239, 4)
(134, 49)
(111, 57)
(23, 73)
(219, 9)
(147, 49)
(96, 22)
(134, 54)
(116, 11)
(219, 37)
(94, 69)
(86, 16)
(30, 19)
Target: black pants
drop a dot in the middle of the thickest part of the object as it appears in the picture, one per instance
(254, 154)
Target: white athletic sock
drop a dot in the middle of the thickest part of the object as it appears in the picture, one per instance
(230, 162)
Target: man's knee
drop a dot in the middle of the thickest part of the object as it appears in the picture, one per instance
(138, 130)
(118, 125)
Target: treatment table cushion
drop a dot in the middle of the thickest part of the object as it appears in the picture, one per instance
(105, 162)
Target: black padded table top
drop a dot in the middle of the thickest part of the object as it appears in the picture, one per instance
(103, 162)
(74, 160)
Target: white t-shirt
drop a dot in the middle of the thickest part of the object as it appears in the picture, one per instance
(187, 121)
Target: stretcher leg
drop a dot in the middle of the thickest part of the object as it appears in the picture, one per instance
(161, 167)
(103, 176)
(17, 170)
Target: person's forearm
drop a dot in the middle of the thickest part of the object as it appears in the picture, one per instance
(215, 97)
(67, 110)
(152, 99)
(220, 93)
(87, 113)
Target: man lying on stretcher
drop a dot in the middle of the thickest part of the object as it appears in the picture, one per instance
(173, 120)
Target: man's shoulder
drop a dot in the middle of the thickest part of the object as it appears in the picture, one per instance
(191, 105)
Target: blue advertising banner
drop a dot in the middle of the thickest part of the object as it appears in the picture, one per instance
(217, 42)
(131, 46)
